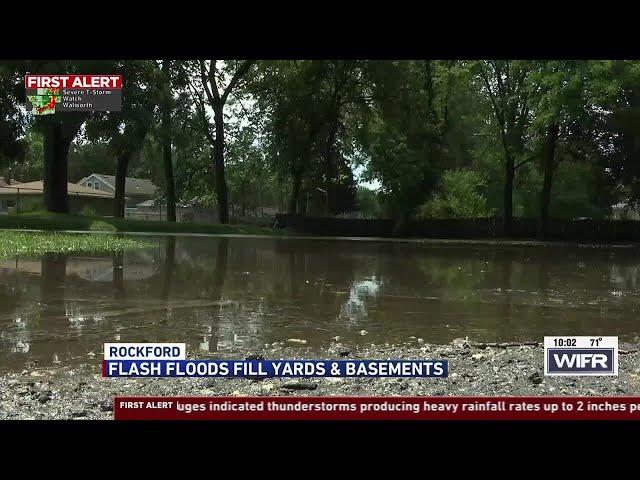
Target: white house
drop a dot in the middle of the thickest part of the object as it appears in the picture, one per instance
(136, 190)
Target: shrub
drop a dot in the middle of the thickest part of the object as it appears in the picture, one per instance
(88, 211)
(460, 195)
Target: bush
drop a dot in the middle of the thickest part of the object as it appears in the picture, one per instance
(367, 203)
(460, 195)
(88, 211)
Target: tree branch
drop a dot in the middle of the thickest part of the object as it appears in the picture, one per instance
(241, 104)
(204, 78)
(493, 100)
(212, 81)
(532, 157)
(240, 72)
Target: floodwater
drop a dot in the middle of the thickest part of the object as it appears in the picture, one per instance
(218, 293)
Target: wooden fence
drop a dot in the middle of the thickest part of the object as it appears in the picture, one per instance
(524, 228)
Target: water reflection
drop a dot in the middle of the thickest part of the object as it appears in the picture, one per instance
(219, 293)
(118, 275)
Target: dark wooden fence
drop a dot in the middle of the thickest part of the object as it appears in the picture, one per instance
(523, 228)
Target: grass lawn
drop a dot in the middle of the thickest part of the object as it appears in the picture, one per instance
(36, 243)
(59, 221)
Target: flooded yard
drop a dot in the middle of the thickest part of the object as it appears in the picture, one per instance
(222, 293)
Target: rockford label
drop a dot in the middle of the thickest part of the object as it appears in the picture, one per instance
(581, 355)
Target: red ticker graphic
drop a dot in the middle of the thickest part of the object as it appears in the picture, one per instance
(377, 408)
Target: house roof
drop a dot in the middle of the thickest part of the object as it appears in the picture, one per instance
(5, 182)
(36, 188)
(133, 186)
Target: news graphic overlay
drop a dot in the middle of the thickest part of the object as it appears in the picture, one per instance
(50, 94)
(573, 356)
(376, 408)
(135, 360)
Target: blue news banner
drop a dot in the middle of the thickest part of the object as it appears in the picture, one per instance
(276, 368)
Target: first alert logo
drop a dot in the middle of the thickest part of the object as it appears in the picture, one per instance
(73, 81)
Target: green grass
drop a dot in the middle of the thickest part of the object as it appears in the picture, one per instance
(59, 221)
(36, 243)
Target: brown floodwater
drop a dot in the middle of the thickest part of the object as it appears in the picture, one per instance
(218, 293)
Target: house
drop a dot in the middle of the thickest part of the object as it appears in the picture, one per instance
(136, 190)
(624, 211)
(29, 197)
(4, 182)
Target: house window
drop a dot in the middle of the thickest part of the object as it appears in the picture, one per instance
(97, 186)
(90, 184)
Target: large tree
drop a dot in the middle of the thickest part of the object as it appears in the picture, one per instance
(292, 116)
(506, 85)
(569, 102)
(124, 131)
(219, 81)
(407, 135)
(166, 105)
(12, 120)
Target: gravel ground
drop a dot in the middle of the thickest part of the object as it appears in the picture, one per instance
(81, 393)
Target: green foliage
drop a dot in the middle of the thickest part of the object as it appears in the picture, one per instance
(573, 192)
(87, 158)
(12, 119)
(88, 211)
(437, 136)
(28, 167)
(404, 133)
(14, 244)
(367, 203)
(460, 195)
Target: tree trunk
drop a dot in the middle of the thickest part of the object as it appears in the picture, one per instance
(220, 268)
(330, 203)
(118, 274)
(56, 150)
(507, 226)
(218, 165)
(169, 181)
(548, 165)
(53, 272)
(168, 267)
(121, 177)
(295, 193)
(243, 200)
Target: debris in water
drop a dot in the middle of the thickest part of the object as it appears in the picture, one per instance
(536, 378)
(299, 341)
(299, 386)
(44, 397)
(363, 332)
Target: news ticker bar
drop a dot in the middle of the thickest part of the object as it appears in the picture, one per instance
(275, 368)
(377, 408)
